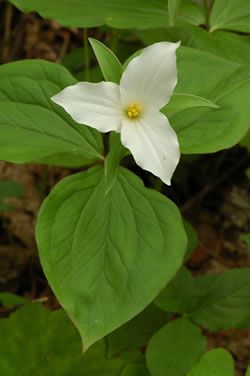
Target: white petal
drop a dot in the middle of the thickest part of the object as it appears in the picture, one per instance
(151, 77)
(153, 143)
(96, 105)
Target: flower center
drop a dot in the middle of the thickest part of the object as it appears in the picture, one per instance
(133, 110)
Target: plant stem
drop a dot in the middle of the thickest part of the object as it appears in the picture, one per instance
(158, 185)
(86, 53)
(114, 40)
(44, 181)
(207, 13)
(7, 33)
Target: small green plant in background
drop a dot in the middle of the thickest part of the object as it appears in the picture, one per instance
(114, 251)
(9, 189)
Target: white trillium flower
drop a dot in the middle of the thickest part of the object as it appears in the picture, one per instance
(133, 108)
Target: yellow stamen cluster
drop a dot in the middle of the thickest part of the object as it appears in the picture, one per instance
(133, 110)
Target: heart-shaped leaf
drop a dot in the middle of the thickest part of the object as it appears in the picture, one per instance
(175, 348)
(107, 256)
(217, 362)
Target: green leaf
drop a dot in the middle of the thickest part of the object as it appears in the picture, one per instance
(175, 348)
(73, 60)
(217, 362)
(227, 84)
(110, 66)
(245, 142)
(35, 341)
(224, 44)
(9, 300)
(231, 15)
(224, 300)
(248, 371)
(32, 127)
(111, 164)
(107, 256)
(9, 189)
(127, 14)
(192, 238)
(180, 102)
(201, 285)
(176, 295)
(246, 238)
(189, 13)
(134, 355)
(173, 7)
(137, 332)
(135, 370)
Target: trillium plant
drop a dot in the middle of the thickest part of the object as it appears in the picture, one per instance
(112, 245)
(103, 237)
